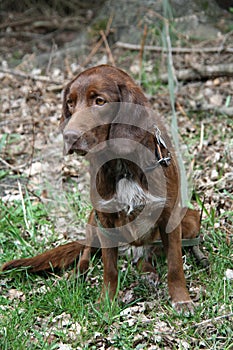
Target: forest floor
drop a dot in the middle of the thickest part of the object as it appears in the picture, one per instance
(45, 202)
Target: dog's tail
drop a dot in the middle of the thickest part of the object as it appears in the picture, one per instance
(56, 258)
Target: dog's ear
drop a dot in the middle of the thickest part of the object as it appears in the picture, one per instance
(65, 110)
(131, 93)
(130, 121)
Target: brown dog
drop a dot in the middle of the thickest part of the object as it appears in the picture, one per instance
(135, 180)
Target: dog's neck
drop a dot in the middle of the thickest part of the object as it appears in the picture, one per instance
(112, 172)
(121, 186)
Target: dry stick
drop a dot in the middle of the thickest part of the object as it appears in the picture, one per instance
(28, 163)
(223, 256)
(29, 76)
(99, 43)
(18, 23)
(34, 21)
(9, 165)
(53, 23)
(175, 50)
(23, 206)
(109, 52)
(141, 52)
(92, 53)
(21, 34)
(209, 321)
(67, 67)
(199, 324)
(214, 70)
(200, 71)
(201, 137)
(181, 109)
(222, 110)
(18, 167)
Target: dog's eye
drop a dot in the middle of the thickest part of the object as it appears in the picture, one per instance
(70, 103)
(100, 101)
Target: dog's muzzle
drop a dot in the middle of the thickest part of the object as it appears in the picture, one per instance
(73, 142)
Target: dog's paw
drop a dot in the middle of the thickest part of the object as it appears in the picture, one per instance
(185, 308)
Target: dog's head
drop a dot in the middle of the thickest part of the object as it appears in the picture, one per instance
(102, 103)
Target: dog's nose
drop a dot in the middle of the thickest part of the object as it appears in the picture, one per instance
(70, 137)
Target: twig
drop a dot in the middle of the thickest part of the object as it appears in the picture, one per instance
(20, 22)
(183, 75)
(98, 45)
(200, 71)
(181, 109)
(201, 137)
(209, 321)
(223, 256)
(92, 53)
(175, 50)
(214, 70)
(109, 52)
(221, 110)
(21, 35)
(29, 76)
(11, 166)
(23, 206)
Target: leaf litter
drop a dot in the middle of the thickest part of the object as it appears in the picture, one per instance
(31, 150)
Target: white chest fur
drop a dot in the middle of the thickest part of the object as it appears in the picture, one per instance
(129, 196)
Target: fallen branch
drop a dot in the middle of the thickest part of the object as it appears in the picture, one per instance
(55, 22)
(98, 45)
(109, 52)
(199, 71)
(21, 35)
(221, 110)
(214, 70)
(20, 22)
(21, 74)
(182, 74)
(210, 320)
(175, 50)
(14, 168)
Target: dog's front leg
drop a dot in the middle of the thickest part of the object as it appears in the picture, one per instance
(109, 256)
(176, 281)
(91, 244)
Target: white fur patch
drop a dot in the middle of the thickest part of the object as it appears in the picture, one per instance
(129, 195)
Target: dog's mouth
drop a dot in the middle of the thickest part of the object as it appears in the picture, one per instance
(75, 148)
(82, 146)
(74, 142)
(77, 151)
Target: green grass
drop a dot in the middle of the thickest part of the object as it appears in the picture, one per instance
(33, 307)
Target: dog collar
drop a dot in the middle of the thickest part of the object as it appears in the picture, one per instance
(159, 145)
(190, 242)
